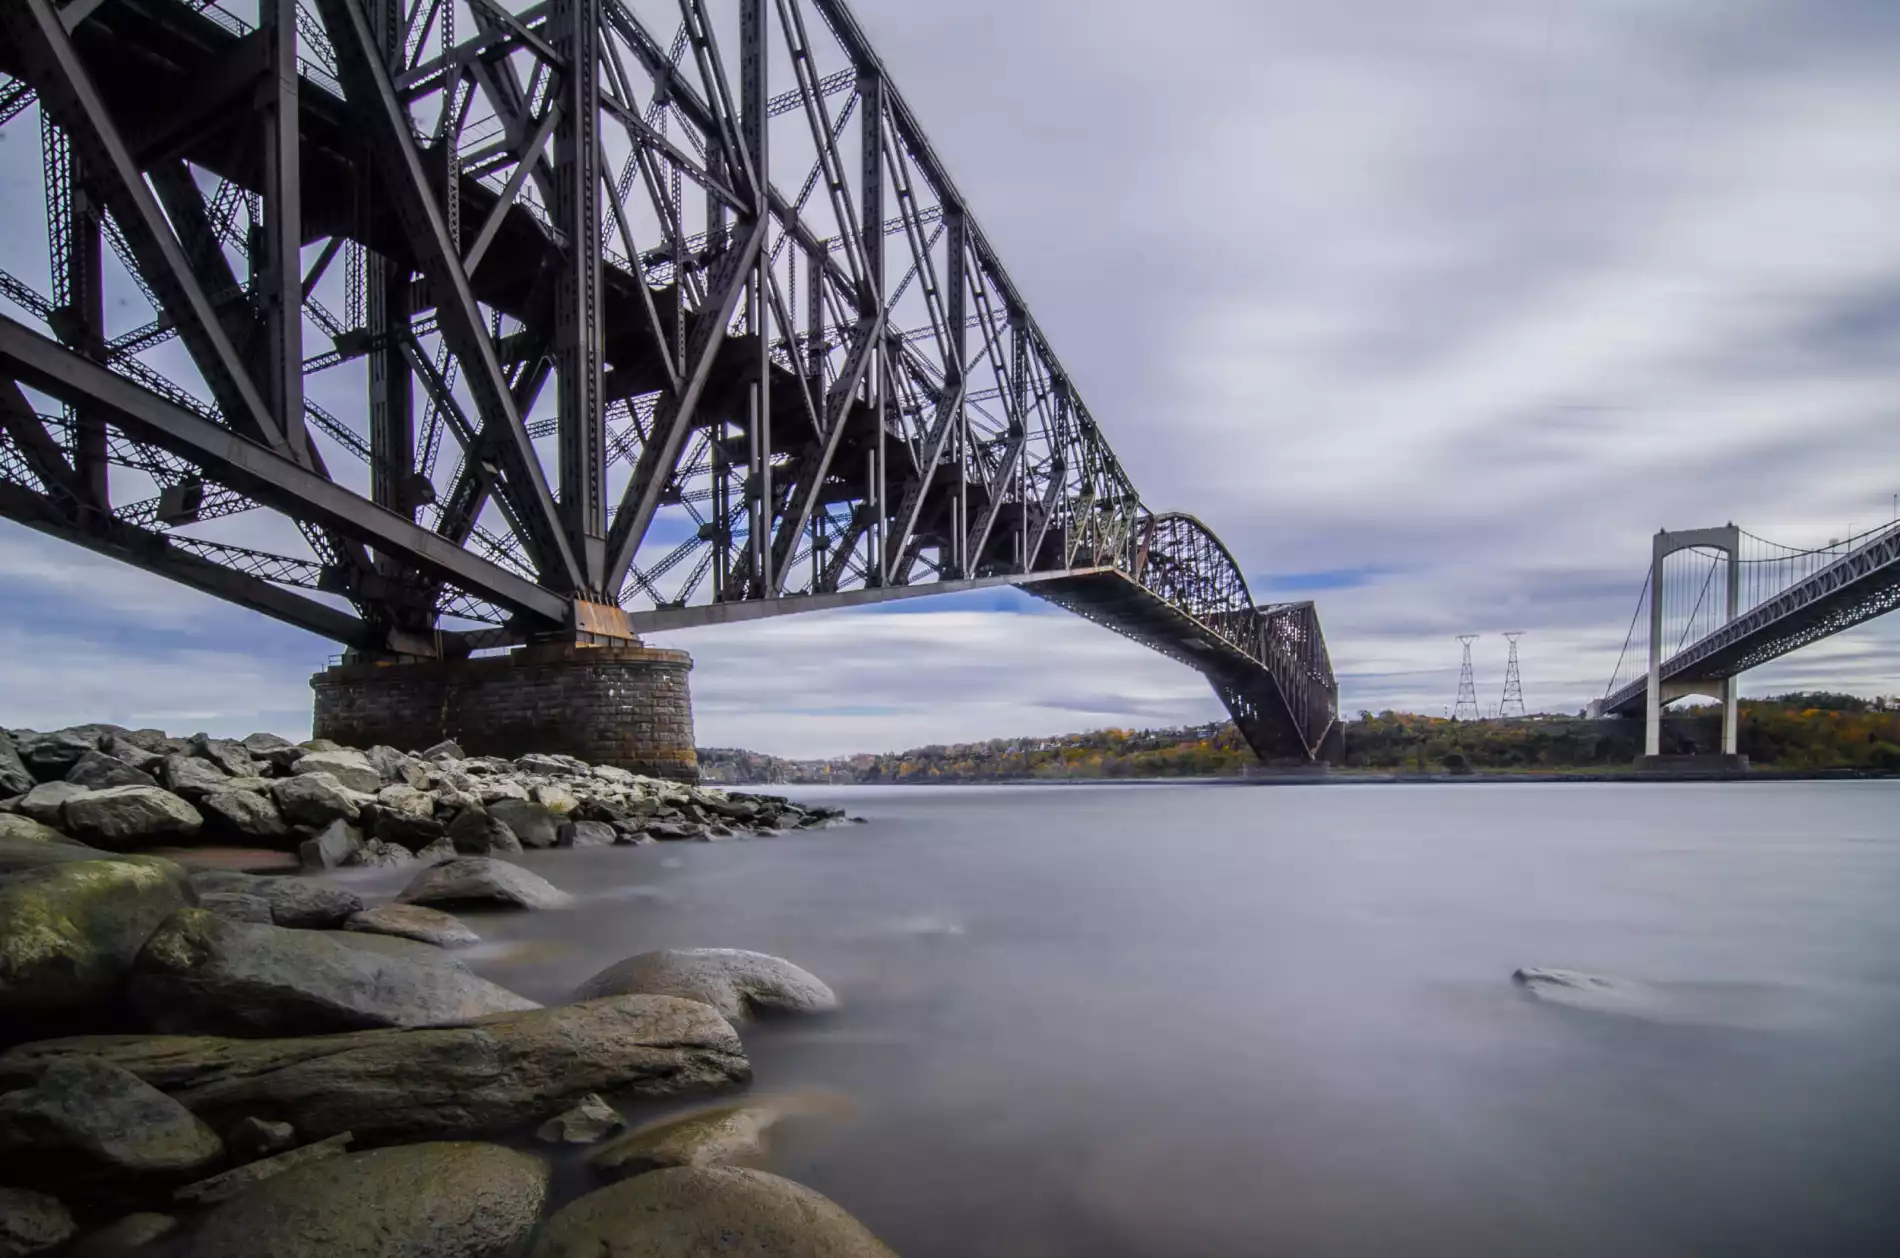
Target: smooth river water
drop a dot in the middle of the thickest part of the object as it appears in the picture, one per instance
(1280, 1020)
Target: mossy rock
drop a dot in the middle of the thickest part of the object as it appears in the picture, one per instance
(692, 1212)
(449, 1199)
(69, 932)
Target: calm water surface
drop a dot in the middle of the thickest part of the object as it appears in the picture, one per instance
(1183, 1020)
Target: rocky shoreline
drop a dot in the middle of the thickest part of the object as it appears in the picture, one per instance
(200, 1060)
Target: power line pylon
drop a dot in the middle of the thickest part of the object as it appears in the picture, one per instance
(1466, 709)
(1513, 703)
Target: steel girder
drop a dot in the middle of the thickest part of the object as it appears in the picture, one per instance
(790, 370)
(1855, 588)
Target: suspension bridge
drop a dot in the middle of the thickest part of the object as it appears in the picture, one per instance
(1718, 602)
(311, 267)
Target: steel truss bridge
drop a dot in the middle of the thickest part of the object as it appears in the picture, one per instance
(313, 265)
(1717, 602)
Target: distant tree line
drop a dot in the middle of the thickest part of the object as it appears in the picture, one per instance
(1804, 730)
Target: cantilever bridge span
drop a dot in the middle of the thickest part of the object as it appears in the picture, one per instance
(434, 326)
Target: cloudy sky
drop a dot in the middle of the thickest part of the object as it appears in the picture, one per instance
(1434, 309)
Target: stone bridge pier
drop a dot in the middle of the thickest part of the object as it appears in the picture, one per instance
(623, 705)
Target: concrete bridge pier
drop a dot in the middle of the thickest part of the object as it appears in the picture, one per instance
(1728, 540)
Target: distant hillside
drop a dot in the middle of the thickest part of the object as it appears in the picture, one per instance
(1796, 731)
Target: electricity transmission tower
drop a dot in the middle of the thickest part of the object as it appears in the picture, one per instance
(1513, 703)
(1466, 709)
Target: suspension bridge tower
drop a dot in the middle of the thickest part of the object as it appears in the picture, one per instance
(1726, 540)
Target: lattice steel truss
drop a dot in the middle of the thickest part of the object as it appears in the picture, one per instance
(364, 237)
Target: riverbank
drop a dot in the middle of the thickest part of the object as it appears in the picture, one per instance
(199, 1058)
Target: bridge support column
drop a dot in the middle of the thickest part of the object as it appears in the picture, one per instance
(626, 706)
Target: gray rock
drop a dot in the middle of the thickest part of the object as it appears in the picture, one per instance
(556, 798)
(201, 973)
(586, 834)
(126, 1235)
(689, 1212)
(152, 740)
(46, 803)
(303, 903)
(193, 777)
(444, 750)
(548, 766)
(49, 756)
(237, 906)
(332, 846)
(130, 753)
(439, 851)
(321, 744)
(493, 789)
(498, 1075)
(252, 1138)
(444, 1200)
(667, 831)
(398, 947)
(18, 852)
(609, 773)
(588, 1121)
(15, 777)
(87, 1120)
(243, 814)
(477, 832)
(127, 817)
(533, 824)
(413, 921)
(483, 880)
(31, 1223)
(379, 854)
(393, 766)
(408, 830)
(223, 1187)
(349, 768)
(735, 982)
(279, 753)
(69, 932)
(725, 1136)
(314, 799)
(403, 798)
(96, 770)
(231, 756)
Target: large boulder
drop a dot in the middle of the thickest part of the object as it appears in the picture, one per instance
(15, 827)
(236, 905)
(87, 1120)
(735, 982)
(50, 755)
(476, 832)
(20, 851)
(303, 903)
(380, 854)
(69, 931)
(278, 752)
(228, 754)
(128, 817)
(586, 834)
(442, 1200)
(483, 881)
(413, 921)
(203, 973)
(406, 829)
(691, 1212)
(193, 777)
(331, 846)
(46, 803)
(403, 798)
(499, 1074)
(15, 777)
(31, 1223)
(395, 766)
(535, 825)
(314, 800)
(223, 1187)
(249, 815)
(96, 770)
(350, 768)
